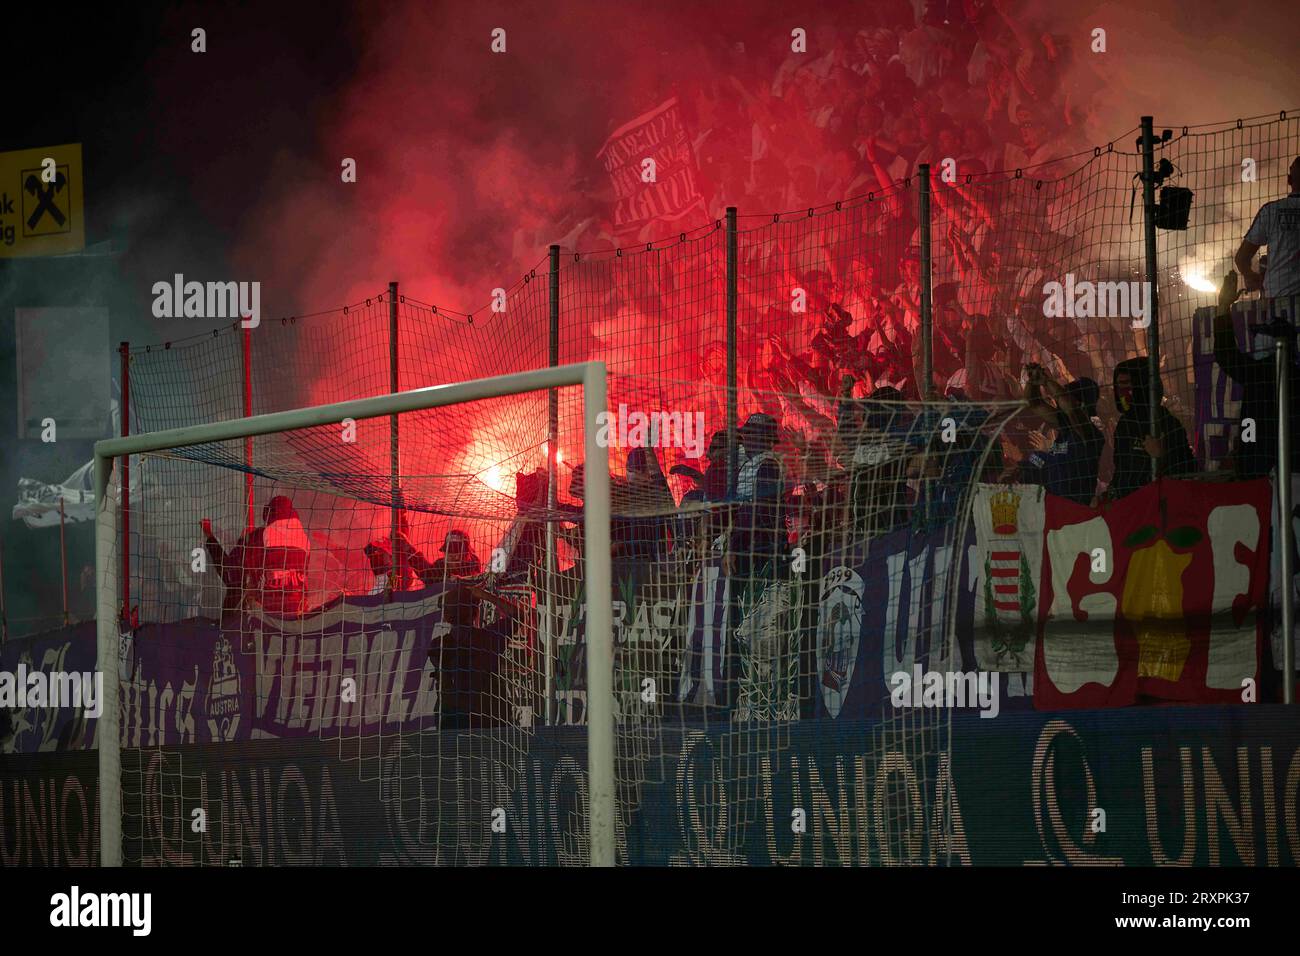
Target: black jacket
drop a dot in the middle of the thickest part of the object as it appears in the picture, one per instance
(1258, 380)
(1132, 463)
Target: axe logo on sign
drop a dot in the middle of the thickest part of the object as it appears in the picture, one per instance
(839, 630)
(42, 207)
(46, 210)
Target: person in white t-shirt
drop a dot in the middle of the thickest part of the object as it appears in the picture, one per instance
(1276, 225)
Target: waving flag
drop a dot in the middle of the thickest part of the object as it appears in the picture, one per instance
(652, 166)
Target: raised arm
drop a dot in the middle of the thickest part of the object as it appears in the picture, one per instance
(882, 177)
(1245, 255)
(1236, 365)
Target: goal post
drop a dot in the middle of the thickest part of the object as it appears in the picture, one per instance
(589, 376)
(106, 649)
(635, 673)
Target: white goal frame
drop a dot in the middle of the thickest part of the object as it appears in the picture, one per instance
(590, 376)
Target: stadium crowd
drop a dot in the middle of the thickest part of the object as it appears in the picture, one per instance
(831, 443)
(983, 83)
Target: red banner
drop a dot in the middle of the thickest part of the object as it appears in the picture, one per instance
(1156, 597)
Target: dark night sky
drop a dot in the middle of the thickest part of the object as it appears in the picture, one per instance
(163, 129)
(230, 159)
(159, 144)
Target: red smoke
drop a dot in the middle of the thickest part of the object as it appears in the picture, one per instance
(470, 163)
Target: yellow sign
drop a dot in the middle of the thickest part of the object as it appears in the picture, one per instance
(42, 209)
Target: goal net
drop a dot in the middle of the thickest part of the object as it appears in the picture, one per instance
(551, 618)
(368, 597)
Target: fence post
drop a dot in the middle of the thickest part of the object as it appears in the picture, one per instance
(1155, 389)
(1284, 504)
(926, 386)
(251, 520)
(732, 403)
(552, 492)
(602, 748)
(393, 446)
(124, 350)
(108, 651)
(63, 559)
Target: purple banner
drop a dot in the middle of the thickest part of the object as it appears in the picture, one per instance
(878, 615)
(356, 668)
(36, 728)
(1217, 397)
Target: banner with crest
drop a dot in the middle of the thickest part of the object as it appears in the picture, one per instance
(1005, 568)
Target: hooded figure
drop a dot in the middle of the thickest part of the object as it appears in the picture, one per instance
(458, 559)
(268, 563)
(409, 561)
(284, 548)
(1132, 459)
(711, 484)
(1067, 468)
(467, 659)
(758, 438)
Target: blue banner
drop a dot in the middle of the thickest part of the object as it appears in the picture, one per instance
(1185, 786)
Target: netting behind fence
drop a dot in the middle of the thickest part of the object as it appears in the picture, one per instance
(821, 294)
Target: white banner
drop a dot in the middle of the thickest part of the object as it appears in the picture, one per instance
(1006, 568)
